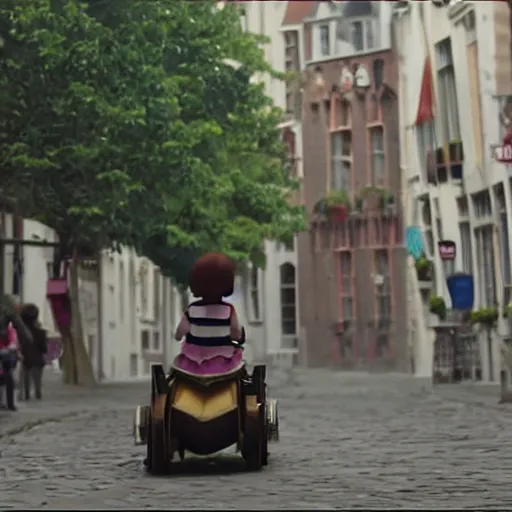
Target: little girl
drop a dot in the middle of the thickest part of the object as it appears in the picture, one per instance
(210, 324)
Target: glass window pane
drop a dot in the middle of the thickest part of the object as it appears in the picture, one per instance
(357, 36)
(288, 296)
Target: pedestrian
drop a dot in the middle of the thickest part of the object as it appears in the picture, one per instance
(33, 354)
(8, 360)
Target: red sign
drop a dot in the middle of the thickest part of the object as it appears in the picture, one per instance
(503, 154)
(447, 250)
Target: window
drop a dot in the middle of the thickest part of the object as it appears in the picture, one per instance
(377, 155)
(156, 294)
(325, 42)
(143, 276)
(254, 295)
(144, 339)
(243, 19)
(465, 247)
(341, 152)
(293, 97)
(341, 113)
(500, 202)
(485, 261)
(383, 285)
(358, 36)
(122, 283)
(482, 205)
(364, 35)
(288, 301)
(156, 341)
(425, 134)
(448, 112)
(505, 257)
(346, 285)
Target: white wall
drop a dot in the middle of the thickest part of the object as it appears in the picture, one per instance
(264, 338)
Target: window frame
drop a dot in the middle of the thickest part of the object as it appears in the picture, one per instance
(383, 292)
(282, 306)
(346, 161)
(374, 128)
(346, 293)
(447, 91)
(365, 21)
(425, 134)
(324, 29)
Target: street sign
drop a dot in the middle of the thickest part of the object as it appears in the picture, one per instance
(502, 153)
(447, 250)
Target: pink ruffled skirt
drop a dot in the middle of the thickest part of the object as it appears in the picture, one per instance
(206, 361)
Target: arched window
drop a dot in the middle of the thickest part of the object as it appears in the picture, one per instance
(288, 300)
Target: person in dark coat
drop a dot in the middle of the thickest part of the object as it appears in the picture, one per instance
(33, 354)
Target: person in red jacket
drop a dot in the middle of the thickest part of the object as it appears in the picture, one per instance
(8, 359)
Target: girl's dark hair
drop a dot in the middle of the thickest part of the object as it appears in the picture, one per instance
(212, 277)
(29, 313)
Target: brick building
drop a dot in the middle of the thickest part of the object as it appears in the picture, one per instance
(351, 263)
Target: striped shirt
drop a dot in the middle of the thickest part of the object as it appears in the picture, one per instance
(210, 324)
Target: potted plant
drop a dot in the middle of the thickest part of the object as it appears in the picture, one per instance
(338, 205)
(424, 268)
(486, 317)
(437, 306)
(358, 204)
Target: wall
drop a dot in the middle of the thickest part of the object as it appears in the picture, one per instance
(477, 82)
(264, 340)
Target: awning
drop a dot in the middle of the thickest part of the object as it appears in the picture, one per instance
(426, 104)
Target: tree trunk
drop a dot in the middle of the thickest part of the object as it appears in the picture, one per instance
(77, 364)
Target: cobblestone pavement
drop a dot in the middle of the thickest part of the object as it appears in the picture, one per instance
(347, 440)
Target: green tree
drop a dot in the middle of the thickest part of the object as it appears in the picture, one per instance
(121, 123)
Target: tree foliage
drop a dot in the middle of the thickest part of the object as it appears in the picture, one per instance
(121, 123)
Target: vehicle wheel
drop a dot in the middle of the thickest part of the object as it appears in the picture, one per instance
(253, 451)
(156, 461)
(264, 436)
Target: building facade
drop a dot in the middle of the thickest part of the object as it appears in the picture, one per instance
(352, 261)
(268, 298)
(455, 87)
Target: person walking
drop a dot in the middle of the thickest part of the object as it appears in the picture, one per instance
(33, 354)
(8, 360)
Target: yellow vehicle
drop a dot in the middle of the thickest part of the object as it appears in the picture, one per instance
(204, 415)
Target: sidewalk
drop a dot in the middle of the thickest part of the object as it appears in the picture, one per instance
(63, 401)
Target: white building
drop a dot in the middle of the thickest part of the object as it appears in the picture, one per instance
(128, 321)
(468, 46)
(271, 302)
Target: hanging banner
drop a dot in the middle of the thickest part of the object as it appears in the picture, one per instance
(447, 250)
(461, 288)
(414, 242)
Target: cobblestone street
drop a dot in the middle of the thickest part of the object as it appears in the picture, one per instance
(347, 440)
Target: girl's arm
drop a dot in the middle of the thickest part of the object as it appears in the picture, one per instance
(236, 332)
(183, 328)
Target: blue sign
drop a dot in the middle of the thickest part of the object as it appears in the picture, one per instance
(462, 293)
(414, 242)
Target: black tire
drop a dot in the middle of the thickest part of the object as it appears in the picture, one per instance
(157, 462)
(253, 443)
